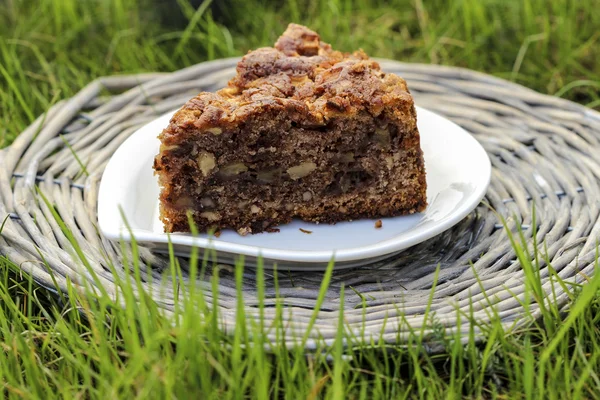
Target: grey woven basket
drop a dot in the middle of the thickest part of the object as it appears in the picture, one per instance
(543, 149)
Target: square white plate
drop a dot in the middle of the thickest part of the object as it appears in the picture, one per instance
(458, 174)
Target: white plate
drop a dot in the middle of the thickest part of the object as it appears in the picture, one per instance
(458, 174)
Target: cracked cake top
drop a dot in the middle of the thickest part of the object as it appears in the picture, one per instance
(301, 74)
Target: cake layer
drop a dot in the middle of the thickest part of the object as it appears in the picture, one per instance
(301, 131)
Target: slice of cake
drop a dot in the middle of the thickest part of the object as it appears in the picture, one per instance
(302, 131)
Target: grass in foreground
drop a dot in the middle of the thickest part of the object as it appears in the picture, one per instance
(50, 49)
(87, 345)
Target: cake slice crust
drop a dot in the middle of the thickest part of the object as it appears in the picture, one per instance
(302, 131)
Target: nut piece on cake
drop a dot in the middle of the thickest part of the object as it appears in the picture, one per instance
(302, 131)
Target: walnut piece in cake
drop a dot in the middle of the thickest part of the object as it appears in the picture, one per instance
(302, 131)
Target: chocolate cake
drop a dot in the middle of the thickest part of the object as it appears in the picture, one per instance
(302, 131)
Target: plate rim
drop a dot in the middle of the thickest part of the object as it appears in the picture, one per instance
(387, 246)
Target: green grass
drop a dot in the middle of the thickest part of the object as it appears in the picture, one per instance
(89, 345)
(50, 49)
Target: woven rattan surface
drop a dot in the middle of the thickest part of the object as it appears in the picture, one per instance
(544, 151)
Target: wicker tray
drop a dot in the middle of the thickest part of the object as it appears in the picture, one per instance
(544, 151)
